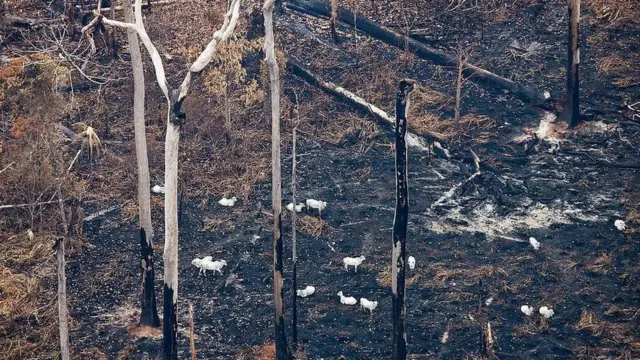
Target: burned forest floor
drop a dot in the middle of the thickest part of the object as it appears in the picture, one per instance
(469, 233)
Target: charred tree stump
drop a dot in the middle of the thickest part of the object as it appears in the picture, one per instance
(400, 221)
(149, 314)
(282, 350)
(62, 300)
(373, 29)
(571, 111)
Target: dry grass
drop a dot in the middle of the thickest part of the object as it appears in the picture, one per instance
(613, 64)
(533, 325)
(601, 265)
(468, 277)
(614, 12)
(312, 225)
(28, 311)
(265, 351)
(384, 278)
(623, 335)
(223, 224)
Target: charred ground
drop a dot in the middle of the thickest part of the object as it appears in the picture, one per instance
(466, 245)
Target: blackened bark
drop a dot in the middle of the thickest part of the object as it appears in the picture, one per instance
(149, 315)
(571, 111)
(400, 222)
(282, 350)
(170, 329)
(294, 256)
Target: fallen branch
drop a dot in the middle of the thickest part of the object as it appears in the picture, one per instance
(101, 213)
(2, 207)
(413, 139)
(317, 8)
(449, 194)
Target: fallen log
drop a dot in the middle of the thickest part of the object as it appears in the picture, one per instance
(373, 29)
(413, 139)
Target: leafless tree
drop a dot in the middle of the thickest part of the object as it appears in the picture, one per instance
(149, 313)
(175, 120)
(282, 350)
(400, 221)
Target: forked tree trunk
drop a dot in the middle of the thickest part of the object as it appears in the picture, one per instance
(294, 252)
(571, 111)
(398, 264)
(282, 350)
(62, 300)
(149, 313)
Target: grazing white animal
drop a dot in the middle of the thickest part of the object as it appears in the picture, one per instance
(197, 261)
(620, 225)
(30, 234)
(546, 312)
(350, 300)
(411, 262)
(316, 204)
(227, 202)
(158, 189)
(526, 309)
(547, 95)
(488, 302)
(349, 261)
(309, 290)
(212, 266)
(298, 207)
(534, 243)
(366, 304)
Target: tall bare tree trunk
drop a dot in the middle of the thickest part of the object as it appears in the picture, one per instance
(282, 350)
(571, 111)
(149, 313)
(400, 221)
(170, 323)
(62, 300)
(294, 252)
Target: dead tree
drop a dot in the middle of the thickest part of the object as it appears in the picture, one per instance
(319, 8)
(571, 111)
(332, 21)
(62, 299)
(294, 253)
(149, 310)
(175, 120)
(282, 350)
(400, 221)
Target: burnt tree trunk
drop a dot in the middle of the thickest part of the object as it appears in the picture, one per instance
(192, 341)
(149, 314)
(149, 309)
(294, 253)
(373, 29)
(62, 300)
(400, 221)
(571, 111)
(282, 350)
